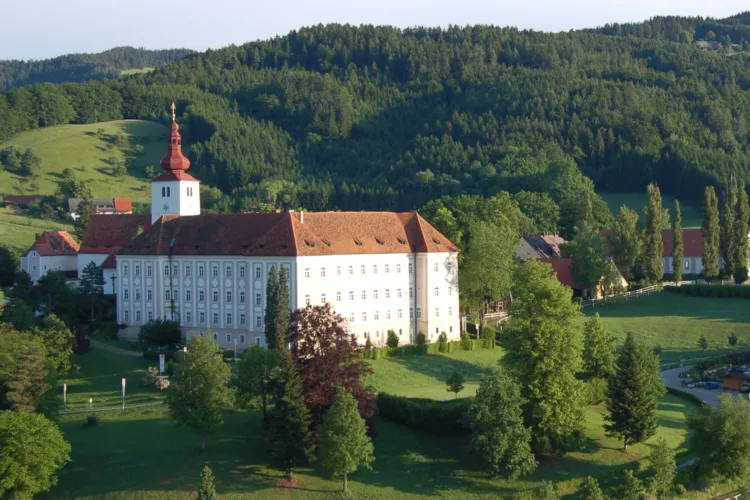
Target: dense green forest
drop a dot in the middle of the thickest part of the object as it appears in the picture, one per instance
(343, 117)
(84, 67)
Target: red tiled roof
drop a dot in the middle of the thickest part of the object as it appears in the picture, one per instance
(109, 263)
(177, 175)
(290, 234)
(20, 198)
(692, 241)
(563, 269)
(123, 204)
(52, 243)
(107, 233)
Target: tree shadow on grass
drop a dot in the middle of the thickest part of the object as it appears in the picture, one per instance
(440, 367)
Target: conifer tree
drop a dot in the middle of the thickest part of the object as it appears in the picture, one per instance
(741, 238)
(291, 443)
(633, 394)
(599, 348)
(27, 384)
(710, 232)
(344, 443)
(281, 316)
(499, 436)
(631, 488)
(678, 247)
(653, 246)
(590, 490)
(272, 291)
(727, 232)
(207, 490)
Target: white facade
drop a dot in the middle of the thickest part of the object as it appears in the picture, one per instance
(37, 265)
(84, 259)
(175, 197)
(226, 295)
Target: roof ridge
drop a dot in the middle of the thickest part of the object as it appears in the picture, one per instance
(295, 249)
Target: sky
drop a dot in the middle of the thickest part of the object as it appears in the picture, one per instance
(40, 29)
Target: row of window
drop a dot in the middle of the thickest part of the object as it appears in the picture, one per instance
(189, 270)
(363, 269)
(201, 318)
(170, 295)
(375, 294)
(228, 338)
(399, 314)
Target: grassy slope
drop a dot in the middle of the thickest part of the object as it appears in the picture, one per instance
(76, 147)
(18, 230)
(139, 453)
(691, 216)
(676, 322)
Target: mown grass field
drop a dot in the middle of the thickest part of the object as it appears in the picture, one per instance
(139, 453)
(691, 216)
(79, 148)
(18, 230)
(676, 322)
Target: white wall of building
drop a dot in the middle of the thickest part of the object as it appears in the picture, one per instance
(84, 259)
(226, 294)
(175, 198)
(37, 266)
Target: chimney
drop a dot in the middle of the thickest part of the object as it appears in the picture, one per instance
(301, 217)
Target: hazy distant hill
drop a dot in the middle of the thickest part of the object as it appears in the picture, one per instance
(84, 67)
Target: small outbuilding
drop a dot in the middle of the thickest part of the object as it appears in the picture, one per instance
(734, 380)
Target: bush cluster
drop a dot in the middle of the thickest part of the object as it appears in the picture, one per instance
(421, 350)
(715, 291)
(442, 418)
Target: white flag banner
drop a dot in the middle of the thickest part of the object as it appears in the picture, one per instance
(161, 363)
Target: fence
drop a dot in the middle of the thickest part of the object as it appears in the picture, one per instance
(627, 295)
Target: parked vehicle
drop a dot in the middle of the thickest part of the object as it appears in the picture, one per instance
(711, 385)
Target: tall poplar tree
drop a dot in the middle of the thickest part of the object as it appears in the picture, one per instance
(727, 232)
(543, 348)
(710, 232)
(633, 394)
(281, 316)
(741, 239)
(599, 348)
(653, 246)
(627, 243)
(272, 291)
(678, 246)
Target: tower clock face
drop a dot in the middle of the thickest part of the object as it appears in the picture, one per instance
(166, 207)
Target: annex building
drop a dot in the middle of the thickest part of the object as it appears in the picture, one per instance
(379, 270)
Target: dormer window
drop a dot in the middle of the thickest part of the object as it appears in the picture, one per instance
(379, 240)
(358, 242)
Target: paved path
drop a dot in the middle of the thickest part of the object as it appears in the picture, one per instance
(113, 349)
(711, 397)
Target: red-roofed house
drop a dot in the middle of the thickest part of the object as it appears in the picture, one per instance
(52, 251)
(692, 242)
(106, 206)
(104, 236)
(380, 271)
(19, 200)
(563, 269)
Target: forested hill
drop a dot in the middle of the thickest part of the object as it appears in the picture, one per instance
(341, 117)
(84, 67)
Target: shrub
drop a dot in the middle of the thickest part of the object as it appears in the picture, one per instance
(488, 334)
(228, 354)
(92, 421)
(149, 377)
(368, 344)
(169, 367)
(466, 343)
(595, 391)
(442, 418)
(160, 332)
(162, 384)
(421, 339)
(392, 340)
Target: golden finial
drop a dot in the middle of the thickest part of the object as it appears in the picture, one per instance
(173, 110)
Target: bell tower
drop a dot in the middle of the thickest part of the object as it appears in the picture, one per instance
(175, 192)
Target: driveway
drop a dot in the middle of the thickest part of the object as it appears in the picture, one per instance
(672, 379)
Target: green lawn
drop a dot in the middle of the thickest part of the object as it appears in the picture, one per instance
(139, 453)
(77, 147)
(18, 230)
(691, 216)
(676, 322)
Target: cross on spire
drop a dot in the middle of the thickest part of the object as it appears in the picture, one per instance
(173, 111)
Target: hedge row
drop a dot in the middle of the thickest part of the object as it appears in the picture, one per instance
(421, 350)
(442, 418)
(690, 397)
(717, 291)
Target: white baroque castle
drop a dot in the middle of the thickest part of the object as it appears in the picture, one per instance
(379, 270)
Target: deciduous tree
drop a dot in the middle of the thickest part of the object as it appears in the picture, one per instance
(344, 443)
(27, 383)
(727, 231)
(499, 435)
(254, 376)
(33, 451)
(588, 252)
(9, 263)
(631, 488)
(590, 490)
(663, 465)
(201, 392)
(543, 346)
(455, 383)
(741, 236)
(627, 242)
(59, 342)
(633, 394)
(599, 349)
(710, 232)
